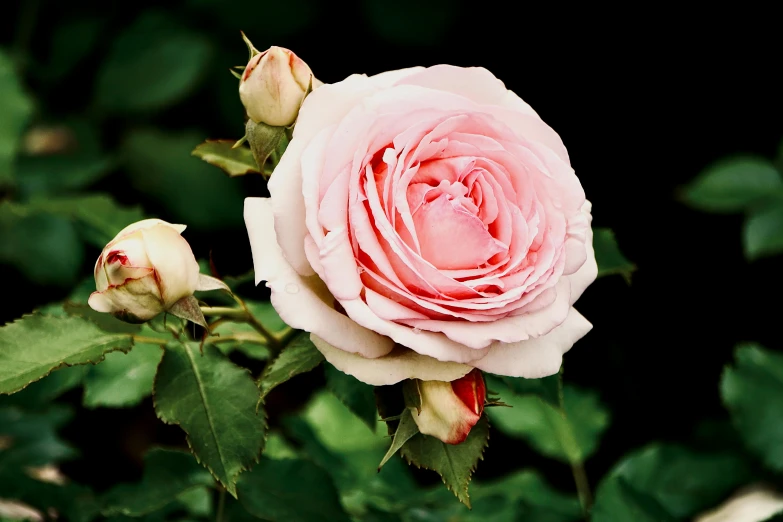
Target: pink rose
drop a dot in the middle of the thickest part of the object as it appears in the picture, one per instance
(425, 222)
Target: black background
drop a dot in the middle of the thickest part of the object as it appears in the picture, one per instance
(643, 99)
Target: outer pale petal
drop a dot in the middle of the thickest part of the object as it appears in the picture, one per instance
(173, 260)
(443, 414)
(147, 223)
(587, 273)
(397, 365)
(535, 358)
(137, 299)
(303, 302)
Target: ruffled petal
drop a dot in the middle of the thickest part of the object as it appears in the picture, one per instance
(399, 364)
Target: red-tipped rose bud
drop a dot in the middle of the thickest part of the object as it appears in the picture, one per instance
(450, 409)
(274, 85)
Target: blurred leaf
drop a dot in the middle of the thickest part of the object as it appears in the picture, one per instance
(411, 22)
(520, 496)
(266, 313)
(167, 474)
(214, 401)
(72, 41)
(38, 175)
(161, 166)
(98, 215)
(277, 447)
(763, 232)
(608, 256)
(546, 388)
(72, 502)
(299, 356)
(682, 481)
(454, 463)
(27, 240)
(617, 501)
(752, 390)
(569, 438)
(33, 439)
(16, 108)
(197, 501)
(33, 346)
(233, 161)
(106, 322)
(122, 380)
(284, 490)
(154, 63)
(41, 393)
(406, 429)
(356, 395)
(734, 184)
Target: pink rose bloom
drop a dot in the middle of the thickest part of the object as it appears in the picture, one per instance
(425, 222)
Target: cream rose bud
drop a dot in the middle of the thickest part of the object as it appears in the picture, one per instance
(273, 86)
(450, 409)
(144, 271)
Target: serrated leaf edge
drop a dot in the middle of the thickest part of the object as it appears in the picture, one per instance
(231, 488)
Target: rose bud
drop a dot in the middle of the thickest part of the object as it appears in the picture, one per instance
(144, 271)
(450, 409)
(274, 85)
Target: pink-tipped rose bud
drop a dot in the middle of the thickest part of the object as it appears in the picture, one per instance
(273, 86)
(143, 271)
(450, 409)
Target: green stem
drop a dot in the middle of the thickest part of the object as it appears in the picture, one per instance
(221, 505)
(243, 315)
(148, 340)
(577, 467)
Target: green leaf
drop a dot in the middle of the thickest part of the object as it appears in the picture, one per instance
(167, 474)
(752, 390)
(763, 232)
(222, 154)
(72, 41)
(682, 481)
(72, 502)
(214, 401)
(28, 240)
(454, 463)
(734, 184)
(160, 166)
(608, 256)
(41, 393)
(154, 63)
(406, 429)
(356, 395)
(617, 501)
(122, 380)
(16, 108)
(545, 388)
(299, 356)
(284, 490)
(570, 438)
(33, 346)
(30, 438)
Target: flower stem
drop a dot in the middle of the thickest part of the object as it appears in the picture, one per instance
(577, 467)
(221, 505)
(148, 340)
(243, 315)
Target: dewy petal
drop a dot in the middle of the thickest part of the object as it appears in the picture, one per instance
(171, 257)
(399, 364)
(303, 302)
(535, 358)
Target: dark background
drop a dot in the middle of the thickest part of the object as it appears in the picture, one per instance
(643, 101)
